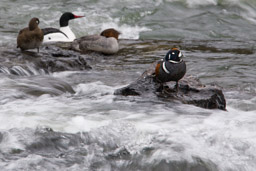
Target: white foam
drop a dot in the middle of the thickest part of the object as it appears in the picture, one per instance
(127, 32)
(194, 3)
(95, 22)
(94, 88)
(80, 124)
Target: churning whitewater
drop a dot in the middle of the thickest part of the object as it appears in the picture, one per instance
(58, 110)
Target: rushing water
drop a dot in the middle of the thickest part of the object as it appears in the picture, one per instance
(71, 120)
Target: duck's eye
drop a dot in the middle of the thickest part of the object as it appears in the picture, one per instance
(37, 21)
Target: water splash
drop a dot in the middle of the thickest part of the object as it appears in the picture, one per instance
(18, 70)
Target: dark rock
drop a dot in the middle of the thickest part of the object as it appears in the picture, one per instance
(58, 59)
(51, 58)
(190, 91)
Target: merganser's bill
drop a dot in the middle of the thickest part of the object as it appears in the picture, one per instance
(106, 42)
(64, 34)
(30, 37)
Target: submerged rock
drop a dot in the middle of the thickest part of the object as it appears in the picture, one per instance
(190, 91)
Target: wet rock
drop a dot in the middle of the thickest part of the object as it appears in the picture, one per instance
(190, 91)
(51, 58)
(60, 59)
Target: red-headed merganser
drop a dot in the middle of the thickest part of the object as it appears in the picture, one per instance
(171, 68)
(30, 37)
(106, 42)
(64, 34)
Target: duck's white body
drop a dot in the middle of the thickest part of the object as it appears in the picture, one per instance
(64, 34)
(97, 43)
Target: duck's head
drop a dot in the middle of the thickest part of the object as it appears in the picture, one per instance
(173, 55)
(33, 23)
(64, 19)
(110, 33)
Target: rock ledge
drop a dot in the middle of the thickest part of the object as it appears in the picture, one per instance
(190, 91)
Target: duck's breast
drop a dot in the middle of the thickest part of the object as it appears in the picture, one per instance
(68, 32)
(171, 71)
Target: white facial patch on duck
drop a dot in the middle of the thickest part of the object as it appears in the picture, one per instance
(180, 55)
(175, 62)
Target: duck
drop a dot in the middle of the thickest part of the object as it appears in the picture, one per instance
(171, 68)
(30, 37)
(64, 33)
(106, 42)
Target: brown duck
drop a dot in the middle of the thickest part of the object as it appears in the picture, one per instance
(30, 37)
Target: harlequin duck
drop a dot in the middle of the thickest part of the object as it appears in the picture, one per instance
(171, 68)
(30, 37)
(64, 34)
(106, 42)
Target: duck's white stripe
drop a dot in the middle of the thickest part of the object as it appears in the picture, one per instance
(171, 61)
(175, 62)
(165, 69)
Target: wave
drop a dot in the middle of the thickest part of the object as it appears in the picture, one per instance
(132, 18)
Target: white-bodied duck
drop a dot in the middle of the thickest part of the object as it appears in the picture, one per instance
(64, 34)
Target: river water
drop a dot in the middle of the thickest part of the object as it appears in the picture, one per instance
(71, 120)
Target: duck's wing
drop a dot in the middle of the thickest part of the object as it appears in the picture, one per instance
(21, 36)
(51, 30)
(96, 43)
(90, 38)
(22, 30)
(86, 43)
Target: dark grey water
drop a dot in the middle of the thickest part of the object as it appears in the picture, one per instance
(70, 120)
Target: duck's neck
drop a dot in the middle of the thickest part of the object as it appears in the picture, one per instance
(68, 32)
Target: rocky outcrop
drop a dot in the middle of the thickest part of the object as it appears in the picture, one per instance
(51, 58)
(190, 91)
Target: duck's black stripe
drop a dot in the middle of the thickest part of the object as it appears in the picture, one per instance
(52, 30)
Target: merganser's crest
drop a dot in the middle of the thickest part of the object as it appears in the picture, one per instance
(64, 34)
(110, 33)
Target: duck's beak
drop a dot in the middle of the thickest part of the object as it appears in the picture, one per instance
(78, 16)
